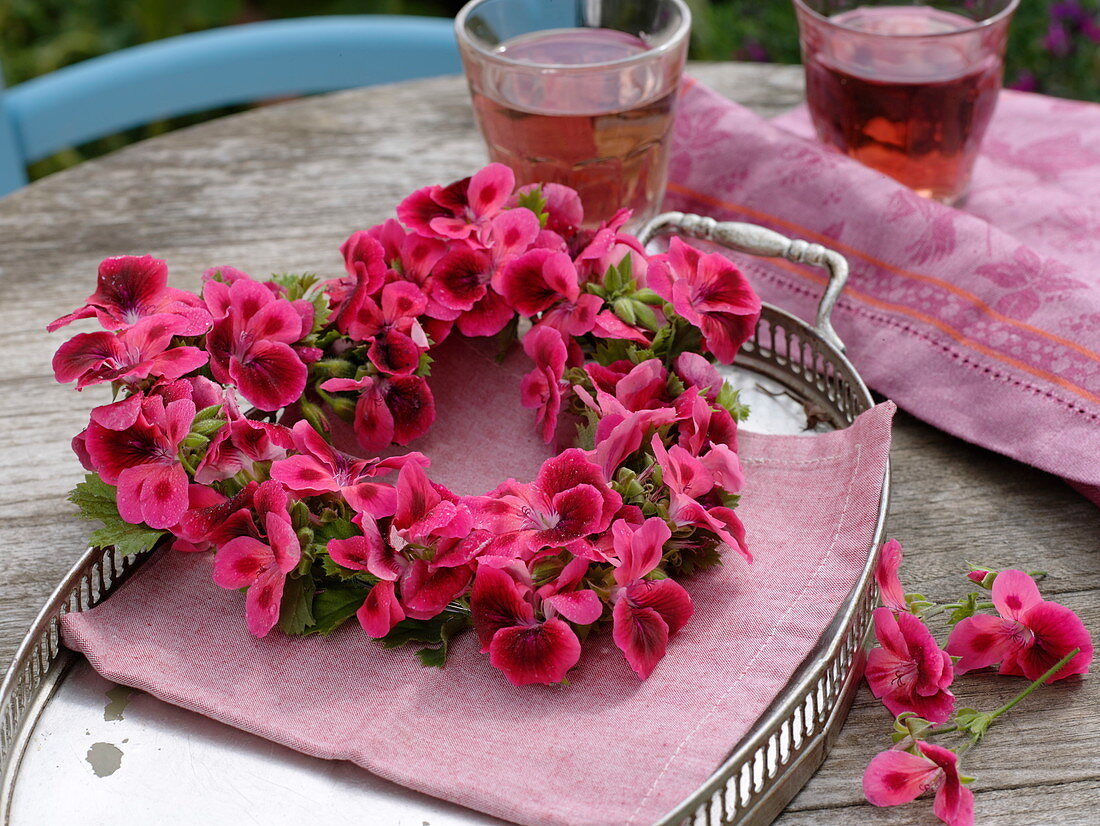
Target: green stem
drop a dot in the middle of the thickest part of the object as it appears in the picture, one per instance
(931, 732)
(936, 610)
(1053, 670)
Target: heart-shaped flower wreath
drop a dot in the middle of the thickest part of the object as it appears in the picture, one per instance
(315, 535)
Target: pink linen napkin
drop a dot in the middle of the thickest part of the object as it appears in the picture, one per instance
(983, 322)
(607, 749)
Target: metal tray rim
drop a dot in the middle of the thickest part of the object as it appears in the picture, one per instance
(763, 772)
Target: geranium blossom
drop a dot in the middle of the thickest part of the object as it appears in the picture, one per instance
(909, 672)
(647, 613)
(397, 409)
(710, 292)
(262, 567)
(886, 575)
(688, 479)
(134, 444)
(895, 777)
(541, 388)
(136, 353)
(460, 209)
(249, 344)
(241, 445)
(525, 649)
(1028, 638)
(131, 288)
(318, 468)
(460, 284)
(568, 500)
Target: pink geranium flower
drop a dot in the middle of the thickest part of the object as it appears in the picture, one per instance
(545, 281)
(568, 501)
(702, 424)
(461, 209)
(607, 249)
(396, 409)
(432, 522)
(710, 292)
(886, 575)
(697, 372)
(365, 261)
(541, 388)
(259, 566)
(609, 325)
(249, 344)
(564, 210)
(319, 468)
(910, 672)
(620, 432)
(138, 352)
(134, 444)
(131, 288)
(525, 649)
(425, 510)
(536, 280)
(688, 479)
(895, 777)
(212, 519)
(461, 286)
(240, 445)
(393, 329)
(1028, 638)
(647, 613)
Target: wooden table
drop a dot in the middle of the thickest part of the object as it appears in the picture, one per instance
(279, 188)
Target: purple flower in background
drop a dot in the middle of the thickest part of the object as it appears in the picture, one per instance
(753, 50)
(1025, 82)
(1091, 29)
(1068, 10)
(1057, 41)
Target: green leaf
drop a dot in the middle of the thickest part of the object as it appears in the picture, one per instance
(967, 608)
(335, 605)
(974, 722)
(506, 338)
(435, 632)
(96, 500)
(424, 367)
(535, 201)
(296, 609)
(436, 656)
(730, 398)
(332, 569)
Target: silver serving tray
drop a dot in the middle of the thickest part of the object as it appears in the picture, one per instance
(75, 748)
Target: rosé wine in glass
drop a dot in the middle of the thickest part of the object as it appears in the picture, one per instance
(905, 89)
(588, 106)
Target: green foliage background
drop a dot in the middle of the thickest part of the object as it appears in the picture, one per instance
(1053, 46)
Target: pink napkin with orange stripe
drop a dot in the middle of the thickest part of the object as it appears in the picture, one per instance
(984, 322)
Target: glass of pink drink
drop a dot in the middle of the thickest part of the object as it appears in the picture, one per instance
(905, 88)
(579, 93)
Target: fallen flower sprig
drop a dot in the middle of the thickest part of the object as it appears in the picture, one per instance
(1030, 637)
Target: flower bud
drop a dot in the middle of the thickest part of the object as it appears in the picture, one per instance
(982, 578)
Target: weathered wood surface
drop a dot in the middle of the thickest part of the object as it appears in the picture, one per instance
(278, 189)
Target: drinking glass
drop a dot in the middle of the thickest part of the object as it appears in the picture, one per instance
(905, 88)
(579, 93)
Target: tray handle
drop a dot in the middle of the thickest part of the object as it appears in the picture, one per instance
(759, 240)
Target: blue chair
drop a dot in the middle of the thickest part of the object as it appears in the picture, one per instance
(206, 70)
